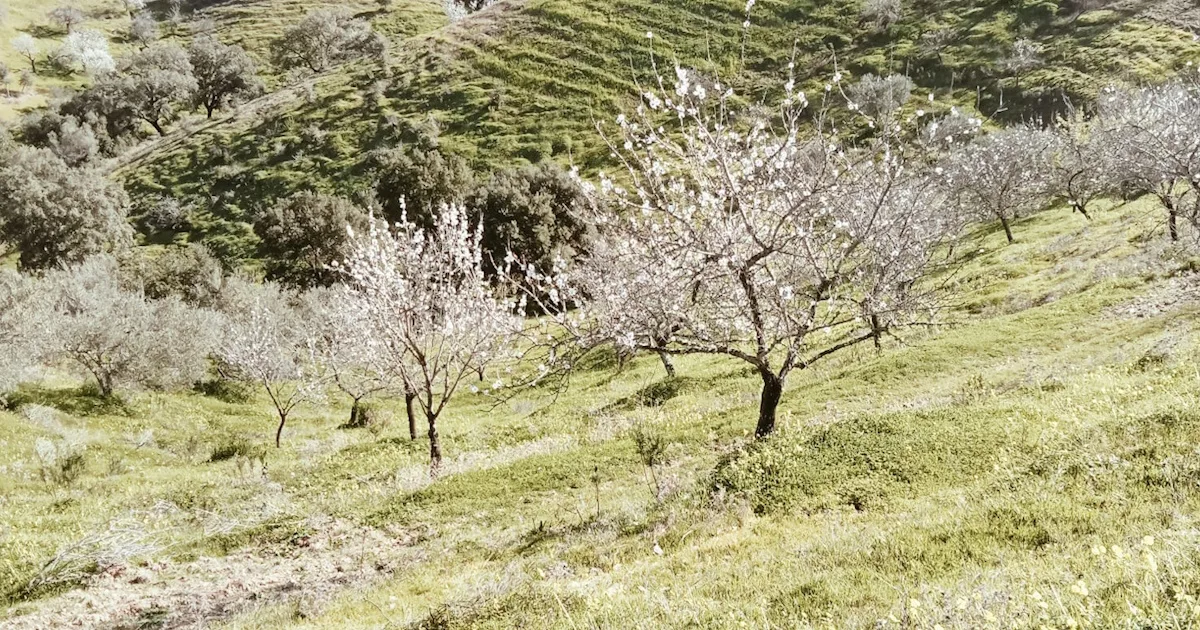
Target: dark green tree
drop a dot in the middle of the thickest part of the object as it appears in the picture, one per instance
(56, 215)
(303, 234)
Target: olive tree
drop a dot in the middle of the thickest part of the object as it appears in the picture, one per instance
(428, 305)
(225, 74)
(22, 332)
(325, 37)
(267, 342)
(54, 215)
(120, 337)
(881, 13)
(770, 244)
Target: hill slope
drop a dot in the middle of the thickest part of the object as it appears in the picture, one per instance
(977, 471)
(527, 81)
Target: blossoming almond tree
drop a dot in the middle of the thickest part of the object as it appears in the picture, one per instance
(751, 239)
(268, 343)
(356, 363)
(1002, 175)
(431, 310)
(1156, 147)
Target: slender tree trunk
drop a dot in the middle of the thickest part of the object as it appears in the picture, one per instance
(1007, 230)
(355, 411)
(33, 65)
(279, 431)
(1082, 208)
(876, 332)
(668, 365)
(435, 446)
(157, 127)
(409, 397)
(772, 391)
(209, 109)
(1173, 222)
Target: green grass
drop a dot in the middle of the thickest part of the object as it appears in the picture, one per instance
(252, 24)
(965, 470)
(527, 81)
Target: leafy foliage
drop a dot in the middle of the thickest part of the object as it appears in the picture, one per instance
(56, 215)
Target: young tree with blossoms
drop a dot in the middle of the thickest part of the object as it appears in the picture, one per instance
(750, 238)
(267, 342)
(1155, 145)
(1002, 175)
(1081, 161)
(430, 309)
(355, 361)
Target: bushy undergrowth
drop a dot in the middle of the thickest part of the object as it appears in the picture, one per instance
(861, 462)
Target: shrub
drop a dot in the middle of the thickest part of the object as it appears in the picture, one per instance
(861, 462)
(60, 462)
(232, 446)
(367, 415)
(187, 272)
(301, 236)
(226, 390)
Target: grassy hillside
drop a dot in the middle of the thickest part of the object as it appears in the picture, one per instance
(527, 81)
(249, 23)
(974, 477)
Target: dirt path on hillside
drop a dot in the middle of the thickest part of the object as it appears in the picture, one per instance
(307, 571)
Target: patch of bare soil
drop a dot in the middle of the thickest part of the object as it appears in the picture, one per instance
(309, 571)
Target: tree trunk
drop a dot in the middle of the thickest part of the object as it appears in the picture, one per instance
(876, 332)
(772, 391)
(209, 109)
(1007, 229)
(435, 446)
(279, 431)
(1173, 223)
(33, 65)
(355, 411)
(1082, 208)
(668, 365)
(157, 127)
(409, 397)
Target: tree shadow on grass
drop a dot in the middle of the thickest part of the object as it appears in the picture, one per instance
(85, 400)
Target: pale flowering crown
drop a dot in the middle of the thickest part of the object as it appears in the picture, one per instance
(748, 232)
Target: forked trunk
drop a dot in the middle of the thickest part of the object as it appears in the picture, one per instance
(772, 391)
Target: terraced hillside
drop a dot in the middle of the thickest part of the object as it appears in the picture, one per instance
(1031, 464)
(249, 23)
(527, 81)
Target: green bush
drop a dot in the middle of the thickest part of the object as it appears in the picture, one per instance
(861, 462)
(226, 390)
(231, 446)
